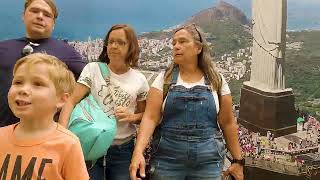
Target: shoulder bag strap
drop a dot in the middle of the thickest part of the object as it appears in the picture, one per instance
(105, 72)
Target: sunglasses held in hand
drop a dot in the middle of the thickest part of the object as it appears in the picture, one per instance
(28, 49)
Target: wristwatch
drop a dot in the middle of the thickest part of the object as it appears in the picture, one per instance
(238, 161)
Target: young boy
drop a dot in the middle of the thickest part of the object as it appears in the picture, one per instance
(37, 147)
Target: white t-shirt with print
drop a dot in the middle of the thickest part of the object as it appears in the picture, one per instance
(158, 84)
(128, 88)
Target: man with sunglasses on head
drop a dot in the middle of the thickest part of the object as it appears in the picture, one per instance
(39, 18)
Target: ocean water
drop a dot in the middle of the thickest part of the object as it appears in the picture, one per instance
(79, 19)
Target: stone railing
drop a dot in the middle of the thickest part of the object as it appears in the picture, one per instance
(274, 166)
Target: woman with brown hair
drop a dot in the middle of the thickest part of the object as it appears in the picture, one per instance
(122, 95)
(190, 103)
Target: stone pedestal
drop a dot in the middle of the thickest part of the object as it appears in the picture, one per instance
(262, 111)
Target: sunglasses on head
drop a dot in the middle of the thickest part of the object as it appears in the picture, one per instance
(28, 49)
(193, 25)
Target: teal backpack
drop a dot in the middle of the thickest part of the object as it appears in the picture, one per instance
(93, 127)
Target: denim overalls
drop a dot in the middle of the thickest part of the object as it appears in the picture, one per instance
(188, 143)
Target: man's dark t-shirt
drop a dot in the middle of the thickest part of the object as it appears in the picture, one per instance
(11, 51)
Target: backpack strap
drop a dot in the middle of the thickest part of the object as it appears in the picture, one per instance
(173, 80)
(219, 90)
(165, 90)
(206, 80)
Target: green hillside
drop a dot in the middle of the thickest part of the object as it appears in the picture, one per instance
(227, 36)
(303, 70)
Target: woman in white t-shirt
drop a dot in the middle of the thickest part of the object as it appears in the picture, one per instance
(189, 103)
(123, 96)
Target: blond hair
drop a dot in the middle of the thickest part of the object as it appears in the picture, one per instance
(205, 62)
(51, 3)
(59, 73)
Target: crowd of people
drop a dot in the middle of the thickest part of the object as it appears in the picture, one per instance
(260, 147)
(187, 111)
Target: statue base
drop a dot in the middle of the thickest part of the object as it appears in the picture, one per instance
(262, 111)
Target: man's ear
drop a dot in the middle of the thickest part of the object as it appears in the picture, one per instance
(22, 16)
(62, 99)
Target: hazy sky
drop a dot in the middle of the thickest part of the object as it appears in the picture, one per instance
(82, 18)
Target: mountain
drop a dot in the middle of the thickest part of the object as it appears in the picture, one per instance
(223, 11)
(225, 27)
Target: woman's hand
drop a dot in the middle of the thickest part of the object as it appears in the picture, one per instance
(138, 162)
(122, 114)
(235, 170)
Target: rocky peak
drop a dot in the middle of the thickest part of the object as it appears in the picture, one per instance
(223, 11)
